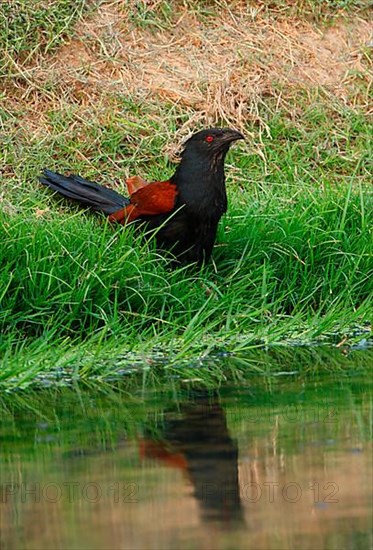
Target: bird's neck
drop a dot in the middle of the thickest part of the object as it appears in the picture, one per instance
(201, 184)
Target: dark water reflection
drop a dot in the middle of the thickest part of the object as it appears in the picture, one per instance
(199, 443)
(269, 463)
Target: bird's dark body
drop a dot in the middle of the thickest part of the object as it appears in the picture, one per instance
(189, 229)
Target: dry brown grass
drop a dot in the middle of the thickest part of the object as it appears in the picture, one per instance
(217, 68)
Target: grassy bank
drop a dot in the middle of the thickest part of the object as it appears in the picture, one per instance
(293, 258)
(291, 264)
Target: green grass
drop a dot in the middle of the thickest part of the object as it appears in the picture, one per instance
(317, 9)
(292, 263)
(160, 389)
(164, 13)
(31, 27)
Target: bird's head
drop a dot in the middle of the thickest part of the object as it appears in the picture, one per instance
(211, 142)
(200, 175)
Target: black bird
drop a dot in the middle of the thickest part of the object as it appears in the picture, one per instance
(184, 210)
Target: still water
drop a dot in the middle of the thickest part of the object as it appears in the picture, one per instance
(265, 462)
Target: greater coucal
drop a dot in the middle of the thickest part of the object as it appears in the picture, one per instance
(185, 209)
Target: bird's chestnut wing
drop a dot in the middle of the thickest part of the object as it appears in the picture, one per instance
(149, 200)
(134, 183)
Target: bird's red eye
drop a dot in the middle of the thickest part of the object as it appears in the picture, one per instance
(209, 139)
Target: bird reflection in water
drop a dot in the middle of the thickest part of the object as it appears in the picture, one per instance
(198, 442)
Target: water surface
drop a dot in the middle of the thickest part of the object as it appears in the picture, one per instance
(266, 462)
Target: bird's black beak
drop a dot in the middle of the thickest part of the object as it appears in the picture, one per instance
(232, 135)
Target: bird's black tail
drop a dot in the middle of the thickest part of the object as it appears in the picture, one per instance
(86, 193)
